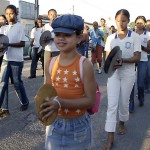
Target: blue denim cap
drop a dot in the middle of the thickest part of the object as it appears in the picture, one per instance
(68, 24)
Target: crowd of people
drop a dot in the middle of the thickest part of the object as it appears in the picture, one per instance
(70, 40)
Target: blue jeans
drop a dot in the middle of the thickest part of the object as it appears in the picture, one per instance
(141, 75)
(147, 79)
(69, 134)
(35, 57)
(16, 69)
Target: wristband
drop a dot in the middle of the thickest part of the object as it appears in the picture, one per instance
(56, 100)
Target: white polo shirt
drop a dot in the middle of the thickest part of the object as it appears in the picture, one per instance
(36, 34)
(128, 46)
(15, 34)
(145, 37)
(51, 46)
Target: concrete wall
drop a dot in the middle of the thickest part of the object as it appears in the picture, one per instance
(28, 25)
(3, 5)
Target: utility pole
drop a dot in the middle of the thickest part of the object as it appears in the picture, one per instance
(36, 8)
(73, 9)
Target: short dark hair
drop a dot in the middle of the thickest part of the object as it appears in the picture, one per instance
(52, 10)
(103, 19)
(13, 7)
(140, 17)
(123, 12)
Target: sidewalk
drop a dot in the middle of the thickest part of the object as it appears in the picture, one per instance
(23, 131)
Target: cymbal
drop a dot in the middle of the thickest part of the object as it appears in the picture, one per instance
(111, 60)
(45, 38)
(46, 91)
(3, 47)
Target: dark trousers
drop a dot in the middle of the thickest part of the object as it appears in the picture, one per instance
(147, 79)
(141, 75)
(35, 57)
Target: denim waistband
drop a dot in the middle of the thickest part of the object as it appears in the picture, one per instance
(76, 119)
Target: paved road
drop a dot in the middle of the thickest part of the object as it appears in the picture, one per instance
(23, 131)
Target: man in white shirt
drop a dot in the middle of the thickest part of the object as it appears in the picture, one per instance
(51, 49)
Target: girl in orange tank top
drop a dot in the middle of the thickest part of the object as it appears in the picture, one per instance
(73, 124)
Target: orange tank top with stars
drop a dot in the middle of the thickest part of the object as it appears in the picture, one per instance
(67, 82)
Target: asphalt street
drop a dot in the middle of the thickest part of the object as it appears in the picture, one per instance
(23, 131)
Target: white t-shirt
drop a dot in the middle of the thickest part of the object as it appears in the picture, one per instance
(128, 46)
(36, 34)
(145, 37)
(51, 46)
(15, 34)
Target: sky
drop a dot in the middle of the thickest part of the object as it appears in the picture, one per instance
(93, 10)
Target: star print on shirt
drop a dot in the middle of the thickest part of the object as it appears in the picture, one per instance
(78, 111)
(76, 85)
(58, 71)
(66, 111)
(66, 72)
(77, 79)
(74, 72)
(58, 78)
(65, 79)
(65, 85)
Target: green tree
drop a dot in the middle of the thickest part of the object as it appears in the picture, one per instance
(132, 25)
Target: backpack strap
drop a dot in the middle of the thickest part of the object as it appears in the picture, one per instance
(52, 64)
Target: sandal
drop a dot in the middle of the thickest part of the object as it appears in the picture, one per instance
(121, 129)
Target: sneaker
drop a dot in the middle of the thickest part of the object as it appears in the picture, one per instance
(4, 113)
(131, 111)
(99, 71)
(24, 107)
(31, 77)
(141, 104)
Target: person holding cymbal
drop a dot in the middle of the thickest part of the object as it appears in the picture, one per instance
(120, 84)
(72, 127)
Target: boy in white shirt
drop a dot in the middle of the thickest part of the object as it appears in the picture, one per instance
(13, 62)
(50, 50)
